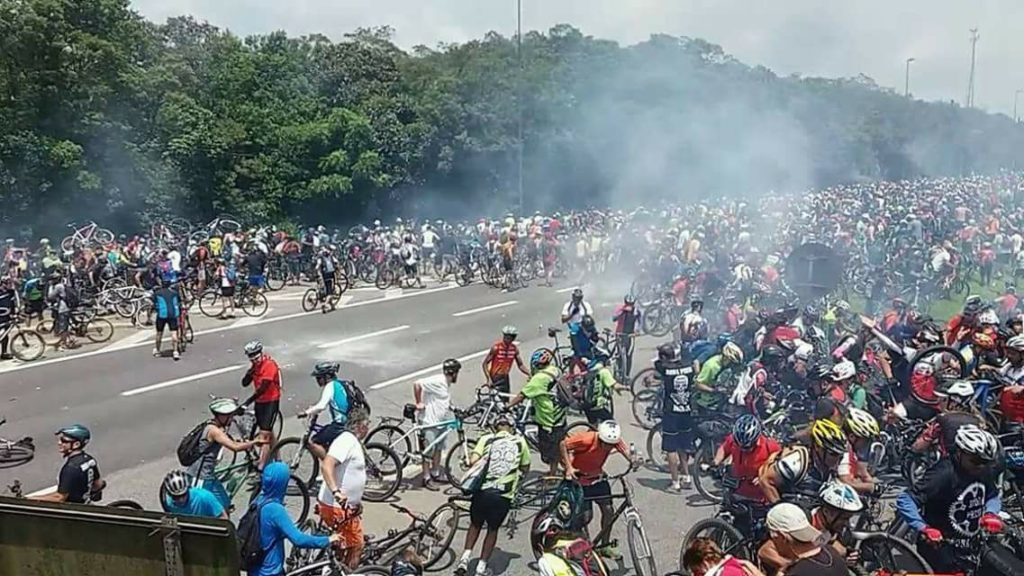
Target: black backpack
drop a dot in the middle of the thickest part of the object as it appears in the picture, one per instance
(356, 398)
(188, 448)
(250, 550)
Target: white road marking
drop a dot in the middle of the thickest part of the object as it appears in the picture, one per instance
(427, 370)
(564, 290)
(16, 366)
(250, 320)
(183, 380)
(43, 492)
(392, 293)
(293, 296)
(485, 308)
(363, 336)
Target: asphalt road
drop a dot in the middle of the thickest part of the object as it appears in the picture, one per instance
(138, 406)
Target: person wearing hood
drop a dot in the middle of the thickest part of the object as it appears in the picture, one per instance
(275, 524)
(434, 406)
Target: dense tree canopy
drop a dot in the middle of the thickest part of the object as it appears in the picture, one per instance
(105, 115)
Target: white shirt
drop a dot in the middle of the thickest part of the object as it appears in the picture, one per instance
(437, 399)
(939, 259)
(582, 310)
(350, 471)
(428, 239)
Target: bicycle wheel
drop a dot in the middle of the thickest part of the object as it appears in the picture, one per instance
(434, 538)
(296, 498)
(125, 504)
(709, 488)
(640, 549)
(310, 300)
(457, 461)
(210, 304)
(464, 276)
(254, 304)
(102, 236)
(303, 557)
(578, 427)
(645, 379)
(27, 345)
(276, 278)
(386, 277)
(383, 472)
(644, 407)
(12, 455)
(126, 308)
(881, 551)
(394, 438)
(655, 456)
(98, 330)
(728, 538)
(45, 330)
(299, 459)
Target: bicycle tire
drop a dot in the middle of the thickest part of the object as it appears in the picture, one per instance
(464, 276)
(870, 559)
(385, 278)
(310, 300)
(126, 308)
(578, 427)
(255, 304)
(384, 466)
(715, 526)
(1000, 560)
(394, 438)
(932, 350)
(646, 378)
(641, 406)
(67, 244)
(15, 455)
(308, 474)
(432, 552)
(705, 457)
(102, 236)
(296, 497)
(98, 330)
(27, 345)
(276, 278)
(640, 549)
(456, 462)
(656, 457)
(45, 329)
(208, 301)
(125, 505)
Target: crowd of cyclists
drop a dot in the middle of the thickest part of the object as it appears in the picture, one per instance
(797, 416)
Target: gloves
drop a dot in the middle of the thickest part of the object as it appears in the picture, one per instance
(991, 523)
(931, 535)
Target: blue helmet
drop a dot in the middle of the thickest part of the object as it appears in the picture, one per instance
(76, 432)
(746, 431)
(723, 339)
(540, 358)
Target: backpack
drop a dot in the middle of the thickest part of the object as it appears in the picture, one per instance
(561, 388)
(590, 390)
(188, 448)
(568, 504)
(250, 550)
(356, 398)
(71, 297)
(475, 477)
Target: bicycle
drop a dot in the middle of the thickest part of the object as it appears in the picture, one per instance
(87, 235)
(186, 335)
(317, 296)
(252, 302)
(15, 452)
(383, 468)
(25, 344)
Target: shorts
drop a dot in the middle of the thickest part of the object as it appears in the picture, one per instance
(432, 434)
(599, 415)
(227, 291)
(327, 434)
(257, 280)
(488, 507)
(346, 522)
(506, 264)
(500, 382)
(62, 323)
(266, 412)
(598, 492)
(548, 443)
(162, 323)
(678, 434)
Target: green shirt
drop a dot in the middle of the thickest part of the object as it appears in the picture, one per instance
(708, 377)
(508, 453)
(858, 396)
(539, 390)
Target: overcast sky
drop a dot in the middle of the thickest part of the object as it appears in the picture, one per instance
(811, 37)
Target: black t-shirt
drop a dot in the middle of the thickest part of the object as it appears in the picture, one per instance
(677, 379)
(825, 563)
(953, 502)
(255, 262)
(77, 476)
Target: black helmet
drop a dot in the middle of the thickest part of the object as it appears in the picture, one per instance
(629, 299)
(577, 294)
(696, 303)
(772, 354)
(667, 351)
(451, 365)
(587, 322)
(329, 369)
(811, 312)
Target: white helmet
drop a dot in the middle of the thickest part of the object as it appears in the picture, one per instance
(957, 389)
(840, 495)
(803, 351)
(861, 423)
(973, 440)
(253, 348)
(223, 406)
(609, 432)
(1016, 343)
(844, 370)
(988, 317)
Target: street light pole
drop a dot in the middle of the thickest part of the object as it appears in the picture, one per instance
(906, 80)
(1015, 96)
(519, 98)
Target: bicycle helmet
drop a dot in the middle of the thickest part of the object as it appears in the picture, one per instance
(540, 358)
(177, 483)
(959, 391)
(822, 371)
(609, 432)
(667, 351)
(771, 354)
(1016, 343)
(577, 294)
(811, 313)
(76, 432)
(803, 351)
(973, 440)
(842, 306)
(723, 339)
(451, 365)
(732, 353)
(629, 299)
(828, 436)
(509, 330)
(223, 406)
(984, 341)
(793, 465)
(988, 317)
(861, 423)
(972, 305)
(841, 496)
(325, 369)
(844, 370)
(746, 431)
(253, 348)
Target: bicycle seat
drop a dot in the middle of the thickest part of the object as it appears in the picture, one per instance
(553, 331)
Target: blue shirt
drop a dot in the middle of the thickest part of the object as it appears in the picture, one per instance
(166, 302)
(200, 503)
(339, 403)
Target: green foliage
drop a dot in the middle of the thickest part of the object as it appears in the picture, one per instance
(104, 115)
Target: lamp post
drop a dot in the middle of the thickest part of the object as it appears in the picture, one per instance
(906, 80)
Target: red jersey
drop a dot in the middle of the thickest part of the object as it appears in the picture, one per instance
(266, 379)
(502, 357)
(1011, 402)
(746, 464)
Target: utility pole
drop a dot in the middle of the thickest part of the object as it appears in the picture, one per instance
(974, 50)
(1015, 96)
(906, 80)
(519, 98)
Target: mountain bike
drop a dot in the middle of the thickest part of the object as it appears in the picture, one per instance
(15, 452)
(87, 235)
(251, 301)
(25, 344)
(83, 323)
(318, 297)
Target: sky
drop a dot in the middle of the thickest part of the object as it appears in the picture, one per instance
(811, 37)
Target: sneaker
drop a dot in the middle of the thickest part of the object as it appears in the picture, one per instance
(687, 482)
(486, 572)
(610, 552)
(176, 355)
(675, 487)
(156, 352)
(462, 568)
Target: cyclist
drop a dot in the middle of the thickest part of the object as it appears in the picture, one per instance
(747, 449)
(678, 429)
(799, 544)
(576, 308)
(583, 457)
(8, 312)
(168, 311)
(547, 411)
(79, 481)
(751, 390)
(334, 398)
(800, 468)
(433, 406)
(265, 376)
(693, 326)
(707, 399)
(703, 557)
(599, 384)
(955, 398)
(275, 524)
(862, 430)
(956, 497)
(508, 459)
(340, 501)
(627, 317)
(583, 336)
(184, 499)
(215, 434)
(326, 268)
(838, 504)
(497, 363)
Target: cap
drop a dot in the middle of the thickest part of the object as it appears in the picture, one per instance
(790, 519)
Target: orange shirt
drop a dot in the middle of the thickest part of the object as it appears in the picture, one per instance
(589, 455)
(502, 357)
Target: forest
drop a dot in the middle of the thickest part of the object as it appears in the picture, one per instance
(107, 116)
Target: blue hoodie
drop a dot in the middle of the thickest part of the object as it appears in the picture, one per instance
(276, 525)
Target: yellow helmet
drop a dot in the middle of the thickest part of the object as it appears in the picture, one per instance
(732, 353)
(862, 424)
(828, 436)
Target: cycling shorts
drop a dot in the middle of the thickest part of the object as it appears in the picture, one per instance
(327, 434)
(266, 412)
(162, 323)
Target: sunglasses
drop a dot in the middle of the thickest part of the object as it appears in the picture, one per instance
(64, 440)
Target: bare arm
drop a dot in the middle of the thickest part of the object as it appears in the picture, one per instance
(521, 364)
(220, 437)
(767, 479)
(51, 497)
(486, 364)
